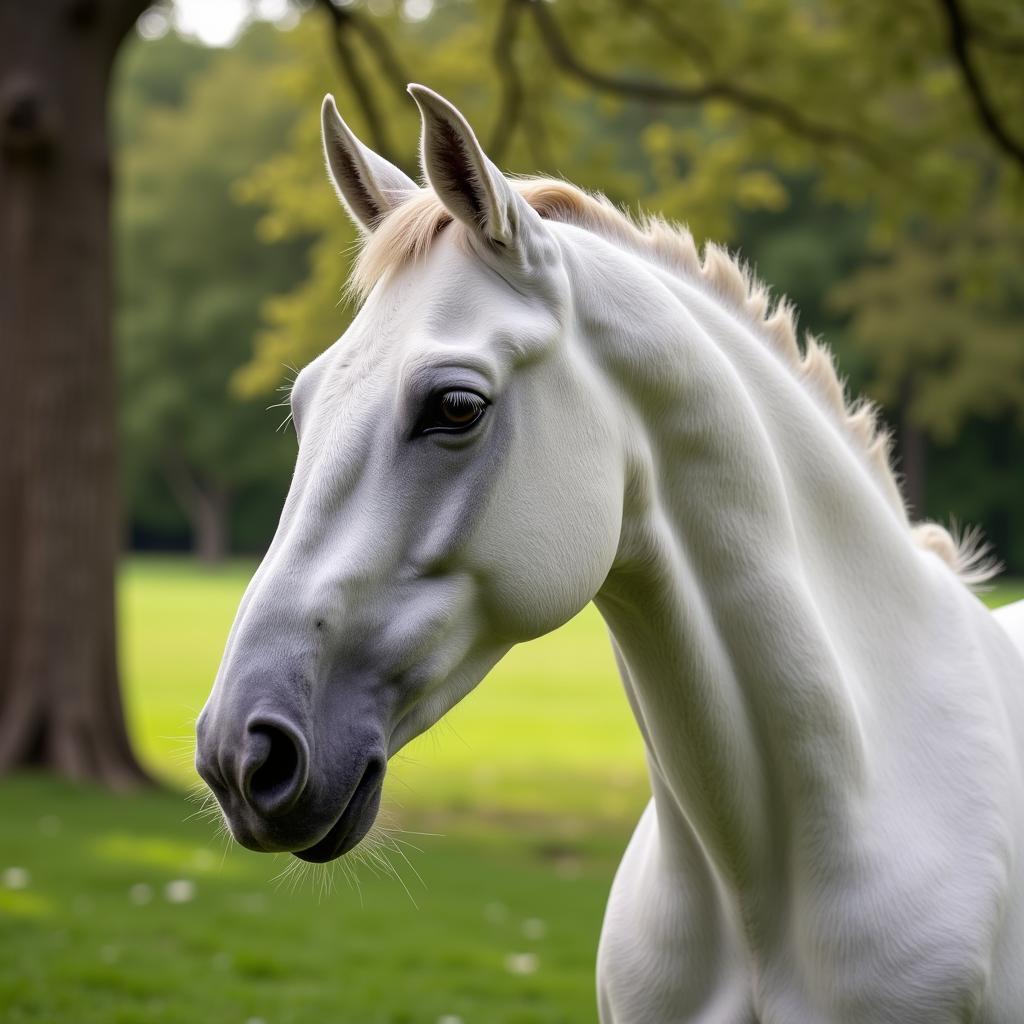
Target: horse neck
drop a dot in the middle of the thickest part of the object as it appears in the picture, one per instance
(745, 599)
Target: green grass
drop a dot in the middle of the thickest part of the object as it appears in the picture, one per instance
(533, 786)
(93, 938)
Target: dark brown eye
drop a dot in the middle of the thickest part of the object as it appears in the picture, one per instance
(452, 412)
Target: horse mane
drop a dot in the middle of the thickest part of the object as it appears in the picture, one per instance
(408, 231)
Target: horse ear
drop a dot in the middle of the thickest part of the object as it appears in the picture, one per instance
(368, 185)
(465, 180)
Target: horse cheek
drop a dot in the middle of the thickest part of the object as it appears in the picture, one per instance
(549, 535)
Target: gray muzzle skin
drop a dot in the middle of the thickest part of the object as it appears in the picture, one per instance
(287, 782)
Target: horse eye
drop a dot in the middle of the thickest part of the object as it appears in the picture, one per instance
(451, 412)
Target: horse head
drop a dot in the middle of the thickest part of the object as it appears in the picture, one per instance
(457, 489)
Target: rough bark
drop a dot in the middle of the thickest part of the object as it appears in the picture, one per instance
(60, 704)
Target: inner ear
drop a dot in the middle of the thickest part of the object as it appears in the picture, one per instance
(465, 180)
(455, 163)
(357, 195)
(367, 184)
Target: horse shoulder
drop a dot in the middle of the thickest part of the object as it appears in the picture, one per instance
(668, 950)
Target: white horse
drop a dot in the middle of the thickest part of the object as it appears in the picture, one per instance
(542, 403)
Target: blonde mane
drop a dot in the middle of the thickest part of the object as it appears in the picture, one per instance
(408, 231)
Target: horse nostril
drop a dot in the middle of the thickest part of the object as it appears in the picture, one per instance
(275, 766)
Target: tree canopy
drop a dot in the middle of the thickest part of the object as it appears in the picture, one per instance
(193, 280)
(867, 158)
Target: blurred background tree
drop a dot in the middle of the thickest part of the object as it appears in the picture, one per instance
(59, 696)
(193, 278)
(867, 158)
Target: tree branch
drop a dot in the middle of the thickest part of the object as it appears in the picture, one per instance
(511, 104)
(561, 53)
(659, 92)
(983, 36)
(342, 25)
(379, 43)
(959, 38)
(700, 53)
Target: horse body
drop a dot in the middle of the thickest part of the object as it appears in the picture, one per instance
(832, 719)
(833, 722)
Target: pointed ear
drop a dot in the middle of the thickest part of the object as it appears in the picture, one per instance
(465, 180)
(368, 185)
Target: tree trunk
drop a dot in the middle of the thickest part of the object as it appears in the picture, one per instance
(913, 451)
(206, 504)
(60, 706)
(210, 524)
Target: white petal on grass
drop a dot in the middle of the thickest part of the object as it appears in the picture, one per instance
(16, 878)
(534, 928)
(181, 890)
(522, 963)
(449, 1018)
(140, 894)
(496, 913)
(569, 869)
(221, 961)
(253, 902)
(49, 825)
(203, 859)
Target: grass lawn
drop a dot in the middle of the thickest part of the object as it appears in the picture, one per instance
(130, 915)
(125, 910)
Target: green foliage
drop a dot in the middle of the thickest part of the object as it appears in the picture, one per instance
(193, 275)
(839, 107)
(452, 51)
(959, 341)
(838, 145)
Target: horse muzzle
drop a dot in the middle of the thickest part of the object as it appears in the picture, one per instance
(274, 796)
